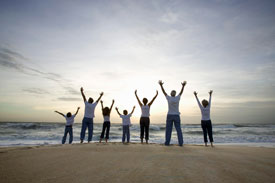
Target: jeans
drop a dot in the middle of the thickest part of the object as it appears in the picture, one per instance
(207, 128)
(107, 125)
(68, 129)
(87, 122)
(126, 132)
(144, 125)
(169, 126)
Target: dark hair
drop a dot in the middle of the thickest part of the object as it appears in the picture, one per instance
(125, 112)
(106, 111)
(69, 114)
(90, 100)
(145, 100)
(204, 103)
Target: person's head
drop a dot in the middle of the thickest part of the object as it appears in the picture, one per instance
(204, 103)
(106, 111)
(173, 93)
(145, 101)
(69, 114)
(125, 112)
(91, 100)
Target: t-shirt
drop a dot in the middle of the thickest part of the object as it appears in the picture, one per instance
(126, 119)
(173, 104)
(69, 120)
(89, 109)
(145, 111)
(106, 118)
(205, 111)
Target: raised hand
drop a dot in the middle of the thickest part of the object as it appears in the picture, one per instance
(195, 93)
(101, 93)
(135, 91)
(78, 108)
(116, 108)
(113, 101)
(210, 92)
(161, 83)
(81, 89)
(184, 83)
(157, 92)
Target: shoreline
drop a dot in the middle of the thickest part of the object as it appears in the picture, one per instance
(260, 145)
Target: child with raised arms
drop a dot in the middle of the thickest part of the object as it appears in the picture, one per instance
(106, 111)
(69, 125)
(126, 122)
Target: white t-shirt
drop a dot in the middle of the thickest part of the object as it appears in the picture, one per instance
(205, 111)
(69, 120)
(90, 109)
(126, 119)
(173, 104)
(106, 118)
(145, 111)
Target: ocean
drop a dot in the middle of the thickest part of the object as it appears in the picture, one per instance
(34, 133)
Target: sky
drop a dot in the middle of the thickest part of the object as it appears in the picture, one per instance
(49, 49)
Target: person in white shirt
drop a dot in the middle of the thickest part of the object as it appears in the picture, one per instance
(144, 119)
(206, 123)
(69, 125)
(106, 111)
(126, 122)
(173, 115)
(88, 121)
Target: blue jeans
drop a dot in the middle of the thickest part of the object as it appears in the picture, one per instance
(68, 129)
(126, 132)
(169, 126)
(87, 122)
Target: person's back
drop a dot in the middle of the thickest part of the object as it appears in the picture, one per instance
(145, 111)
(173, 104)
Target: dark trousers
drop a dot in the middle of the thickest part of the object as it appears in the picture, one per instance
(144, 125)
(207, 129)
(107, 125)
(68, 129)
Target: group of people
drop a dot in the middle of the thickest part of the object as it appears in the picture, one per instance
(173, 117)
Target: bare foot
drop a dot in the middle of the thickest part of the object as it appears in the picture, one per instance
(100, 140)
(205, 145)
(106, 140)
(146, 141)
(81, 141)
(212, 144)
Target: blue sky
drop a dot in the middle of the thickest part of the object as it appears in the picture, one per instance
(49, 49)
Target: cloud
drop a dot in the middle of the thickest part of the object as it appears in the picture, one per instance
(69, 99)
(35, 91)
(11, 59)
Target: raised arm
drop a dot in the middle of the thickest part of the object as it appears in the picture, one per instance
(153, 98)
(82, 93)
(138, 98)
(101, 94)
(161, 85)
(196, 95)
(133, 110)
(182, 88)
(112, 106)
(76, 111)
(101, 102)
(60, 113)
(117, 111)
(210, 97)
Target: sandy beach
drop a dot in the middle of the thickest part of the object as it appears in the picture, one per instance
(115, 162)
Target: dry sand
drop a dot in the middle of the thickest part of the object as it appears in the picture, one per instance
(115, 162)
